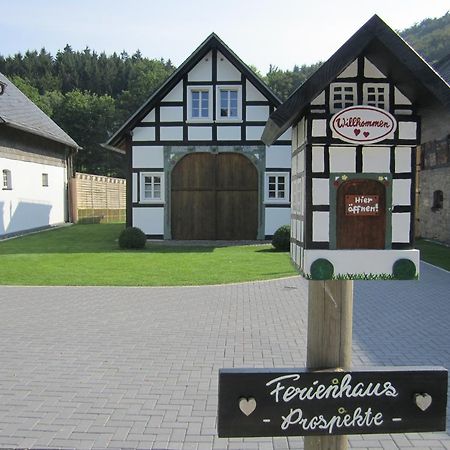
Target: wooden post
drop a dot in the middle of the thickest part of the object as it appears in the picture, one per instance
(329, 346)
(73, 199)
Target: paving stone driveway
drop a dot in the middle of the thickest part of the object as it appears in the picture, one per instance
(137, 367)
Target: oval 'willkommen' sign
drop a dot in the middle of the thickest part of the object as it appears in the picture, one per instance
(363, 124)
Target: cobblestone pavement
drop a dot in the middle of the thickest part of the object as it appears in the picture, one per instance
(137, 367)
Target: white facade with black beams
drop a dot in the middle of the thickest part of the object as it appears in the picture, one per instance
(212, 105)
(357, 122)
(319, 158)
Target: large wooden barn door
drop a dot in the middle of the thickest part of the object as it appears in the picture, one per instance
(214, 196)
(237, 197)
(361, 215)
(193, 197)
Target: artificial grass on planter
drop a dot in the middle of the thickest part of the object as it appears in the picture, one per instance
(88, 255)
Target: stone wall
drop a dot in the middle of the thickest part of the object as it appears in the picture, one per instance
(434, 176)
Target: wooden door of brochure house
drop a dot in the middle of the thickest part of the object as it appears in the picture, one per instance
(361, 215)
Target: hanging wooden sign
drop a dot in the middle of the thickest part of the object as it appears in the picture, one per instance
(363, 124)
(293, 402)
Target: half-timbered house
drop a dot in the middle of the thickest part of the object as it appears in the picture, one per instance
(353, 190)
(197, 168)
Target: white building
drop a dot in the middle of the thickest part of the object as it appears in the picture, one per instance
(375, 74)
(35, 161)
(197, 168)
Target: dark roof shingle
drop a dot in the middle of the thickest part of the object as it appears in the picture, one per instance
(18, 111)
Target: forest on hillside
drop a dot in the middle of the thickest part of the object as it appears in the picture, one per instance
(91, 94)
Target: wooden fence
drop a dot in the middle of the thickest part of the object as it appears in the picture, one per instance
(97, 199)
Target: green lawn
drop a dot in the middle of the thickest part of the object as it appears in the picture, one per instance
(88, 255)
(434, 253)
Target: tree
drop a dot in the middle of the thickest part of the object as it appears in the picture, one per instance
(47, 102)
(67, 69)
(88, 118)
(30, 91)
(144, 79)
(430, 38)
(284, 83)
(256, 71)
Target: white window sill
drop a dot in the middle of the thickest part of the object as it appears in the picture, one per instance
(205, 120)
(152, 202)
(281, 202)
(218, 121)
(224, 120)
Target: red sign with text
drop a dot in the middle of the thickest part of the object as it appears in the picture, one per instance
(362, 205)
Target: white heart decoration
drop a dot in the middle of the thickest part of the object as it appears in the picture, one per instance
(423, 401)
(247, 405)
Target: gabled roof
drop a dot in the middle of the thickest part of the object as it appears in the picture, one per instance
(211, 42)
(390, 54)
(18, 111)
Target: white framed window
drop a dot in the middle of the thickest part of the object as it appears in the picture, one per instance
(152, 187)
(199, 103)
(7, 180)
(277, 187)
(229, 103)
(45, 180)
(342, 95)
(376, 94)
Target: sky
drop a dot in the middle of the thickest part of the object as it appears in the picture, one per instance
(281, 33)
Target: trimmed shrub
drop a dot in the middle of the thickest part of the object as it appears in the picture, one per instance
(282, 238)
(322, 269)
(132, 237)
(404, 269)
